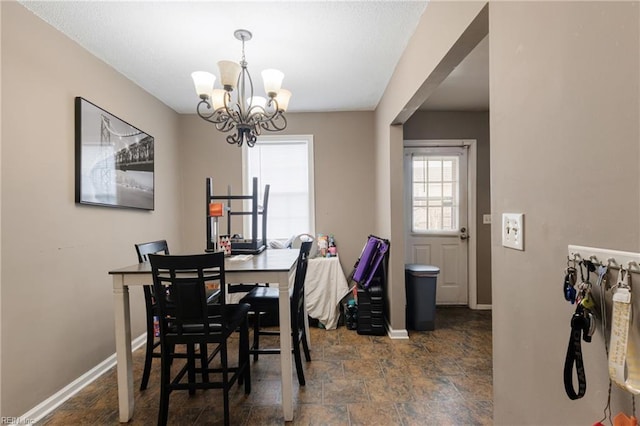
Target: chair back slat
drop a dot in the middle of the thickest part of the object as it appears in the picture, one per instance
(152, 247)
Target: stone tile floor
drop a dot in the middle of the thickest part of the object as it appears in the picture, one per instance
(440, 377)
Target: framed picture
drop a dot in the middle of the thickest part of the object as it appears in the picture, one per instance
(114, 160)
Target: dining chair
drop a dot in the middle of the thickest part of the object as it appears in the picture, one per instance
(265, 299)
(190, 319)
(143, 250)
(151, 311)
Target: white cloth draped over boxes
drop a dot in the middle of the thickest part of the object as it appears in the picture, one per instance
(325, 286)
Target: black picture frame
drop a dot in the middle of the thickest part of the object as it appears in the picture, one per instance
(114, 160)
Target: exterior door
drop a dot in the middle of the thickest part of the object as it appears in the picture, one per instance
(436, 209)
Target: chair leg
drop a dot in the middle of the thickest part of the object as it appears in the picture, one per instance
(204, 362)
(225, 380)
(191, 367)
(298, 358)
(305, 346)
(256, 334)
(163, 412)
(243, 358)
(148, 355)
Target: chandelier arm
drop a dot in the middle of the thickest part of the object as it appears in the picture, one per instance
(257, 114)
(207, 113)
(251, 136)
(276, 107)
(276, 124)
(262, 116)
(227, 102)
(236, 116)
(225, 126)
(235, 139)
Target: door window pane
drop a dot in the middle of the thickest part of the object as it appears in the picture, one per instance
(435, 196)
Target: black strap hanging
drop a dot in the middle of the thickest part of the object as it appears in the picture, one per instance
(580, 325)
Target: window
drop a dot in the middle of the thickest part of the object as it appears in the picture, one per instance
(286, 164)
(434, 193)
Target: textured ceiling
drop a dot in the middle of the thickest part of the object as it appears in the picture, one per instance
(336, 55)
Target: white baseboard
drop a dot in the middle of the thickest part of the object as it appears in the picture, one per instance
(38, 412)
(397, 334)
(484, 307)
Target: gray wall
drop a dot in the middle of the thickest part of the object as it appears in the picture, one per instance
(564, 89)
(343, 190)
(564, 151)
(57, 300)
(465, 125)
(440, 28)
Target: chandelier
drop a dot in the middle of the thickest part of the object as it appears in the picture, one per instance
(234, 107)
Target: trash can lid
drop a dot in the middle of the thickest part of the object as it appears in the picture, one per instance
(421, 270)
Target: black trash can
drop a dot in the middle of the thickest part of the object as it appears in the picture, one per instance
(420, 283)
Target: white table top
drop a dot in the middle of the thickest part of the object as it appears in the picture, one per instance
(267, 261)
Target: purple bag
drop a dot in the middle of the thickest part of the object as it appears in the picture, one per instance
(372, 254)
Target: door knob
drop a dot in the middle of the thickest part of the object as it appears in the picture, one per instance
(463, 234)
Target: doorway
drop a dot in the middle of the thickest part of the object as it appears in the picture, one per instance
(440, 210)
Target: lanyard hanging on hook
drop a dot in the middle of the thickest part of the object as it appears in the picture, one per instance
(583, 325)
(621, 354)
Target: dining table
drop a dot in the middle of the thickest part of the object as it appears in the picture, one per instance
(272, 266)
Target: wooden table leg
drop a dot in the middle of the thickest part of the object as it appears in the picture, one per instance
(285, 346)
(123, 348)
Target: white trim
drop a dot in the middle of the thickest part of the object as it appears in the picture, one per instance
(284, 138)
(41, 410)
(400, 334)
(472, 290)
(483, 307)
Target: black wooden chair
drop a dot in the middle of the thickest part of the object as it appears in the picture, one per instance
(190, 319)
(143, 250)
(151, 311)
(265, 299)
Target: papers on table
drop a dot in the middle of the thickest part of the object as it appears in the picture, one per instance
(240, 257)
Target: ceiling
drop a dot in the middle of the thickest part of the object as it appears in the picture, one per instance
(467, 87)
(336, 55)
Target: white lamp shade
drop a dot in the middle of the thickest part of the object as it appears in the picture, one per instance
(272, 81)
(217, 98)
(203, 81)
(229, 72)
(283, 99)
(257, 101)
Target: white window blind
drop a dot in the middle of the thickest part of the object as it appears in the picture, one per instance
(286, 164)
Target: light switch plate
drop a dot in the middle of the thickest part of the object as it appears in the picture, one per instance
(486, 219)
(513, 230)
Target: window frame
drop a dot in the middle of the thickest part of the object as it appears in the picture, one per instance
(463, 177)
(247, 180)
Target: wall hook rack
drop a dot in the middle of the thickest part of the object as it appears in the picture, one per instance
(615, 259)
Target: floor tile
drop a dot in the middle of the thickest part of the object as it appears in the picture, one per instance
(319, 414)
(372, 414)
(344, 391)
(440, 377)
